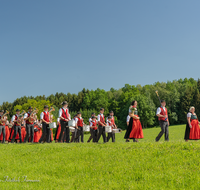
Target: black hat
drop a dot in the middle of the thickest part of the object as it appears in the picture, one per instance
(1, 110)
(93, 117)
(30, 107)
(17, 110)
(109, 117)
(93, 113)
(64, 103)
(101, 109)
(162, 101)
(46, 106)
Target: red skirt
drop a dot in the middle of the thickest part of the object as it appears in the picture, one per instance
(23, 133)
(194, 131)
(51, 134)
(58, 132)
(136, 131)
(7, 134)
(37, 135)
(12, 133)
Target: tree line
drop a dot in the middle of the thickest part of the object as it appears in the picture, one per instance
(179, 95)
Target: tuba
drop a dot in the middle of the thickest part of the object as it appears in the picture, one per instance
(31, 120)
(6, 113)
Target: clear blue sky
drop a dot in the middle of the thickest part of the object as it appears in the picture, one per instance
(64, 46)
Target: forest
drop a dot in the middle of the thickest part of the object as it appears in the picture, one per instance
(180, 95)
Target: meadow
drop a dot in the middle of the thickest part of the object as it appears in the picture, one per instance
(144, 165)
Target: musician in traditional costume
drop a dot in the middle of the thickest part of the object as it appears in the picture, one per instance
(58, 129)
(7, 131)
(136, 131)
(64, 118)
(17, 119)
(29, 118)
(45, 118)
(37, 130)
(162, 115)
(91, 129)
(113, 126)
(2, 125)
(192, 131)
(23, 130)
(101, 126)
(79, 127)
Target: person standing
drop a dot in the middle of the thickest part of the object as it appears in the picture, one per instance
(29, 125)
(79, 127)
(136, 131)
(162, 115)
(64, 118)
(2, 125)
(101, 126)
(192, 131)
(45, 118)
(91, 128)
(112, 134)
(17, 119)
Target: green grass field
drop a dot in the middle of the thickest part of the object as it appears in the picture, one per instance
(120, 165)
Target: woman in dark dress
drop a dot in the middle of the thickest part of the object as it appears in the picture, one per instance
(192, 131)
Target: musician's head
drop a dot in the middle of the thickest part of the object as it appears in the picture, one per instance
(79, 114)
(17, 111)
(46, 108)
(93, 118)
(109, 118)
(101, 110)
(93, 114)
(75, 115)
(30, 109)
(111, 113)
(134, 103)
(163, 103)
(1, 112)
(64, 104)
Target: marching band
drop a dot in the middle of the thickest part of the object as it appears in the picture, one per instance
(25, 127)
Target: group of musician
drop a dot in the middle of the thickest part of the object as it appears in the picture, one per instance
(25, 127)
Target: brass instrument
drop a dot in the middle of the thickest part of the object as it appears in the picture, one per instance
(6, 113)
(31, 120)
(19, 117)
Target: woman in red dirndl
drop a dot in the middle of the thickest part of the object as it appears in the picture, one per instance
(136, 132)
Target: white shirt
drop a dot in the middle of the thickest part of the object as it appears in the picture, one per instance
(98, 119)
(60, 111)
(190, 114)
(26, 115)
(42, 114)
(159, 110)
(108, 123)
(58, 120)
(13, 117)
(91, 122)
(128, 118)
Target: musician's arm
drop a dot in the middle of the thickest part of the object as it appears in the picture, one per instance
(26, 116)
(13, 119)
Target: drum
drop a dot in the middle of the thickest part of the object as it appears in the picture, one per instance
(52, 125)
(108, 129)
(86, 128)
(71, 123)
(117, 130)
(72, 129)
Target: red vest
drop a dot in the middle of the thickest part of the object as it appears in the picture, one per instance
(162, 113)
(27, 121)
(3, 124)
(80, 122)
(102, 119)
(113, 120)
(94, 124)
(15, 123)
(63, 114)
(46, 116)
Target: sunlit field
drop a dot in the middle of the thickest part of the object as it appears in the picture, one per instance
(144, 165)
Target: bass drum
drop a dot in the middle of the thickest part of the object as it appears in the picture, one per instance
(52, 125)
(117, 130)
(86, 128)
(108, 129)
(72, 129)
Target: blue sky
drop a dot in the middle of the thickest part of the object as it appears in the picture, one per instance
(64, 46)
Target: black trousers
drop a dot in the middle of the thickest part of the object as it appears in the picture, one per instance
(2, 130)
(111, 135)
(17, 129)
(164, 129)
(101, 132)
(91, 135)
(94, 135)
(46, 133)
(29, 132)
(65, 129)
(80, 133)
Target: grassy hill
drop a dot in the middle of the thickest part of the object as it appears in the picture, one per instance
(120, 165)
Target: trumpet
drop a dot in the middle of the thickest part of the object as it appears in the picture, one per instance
(6, 113)
(31, 120)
